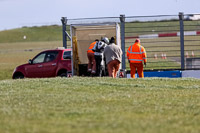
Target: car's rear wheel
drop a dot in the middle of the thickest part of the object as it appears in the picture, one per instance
(18, 76)
(62, 73)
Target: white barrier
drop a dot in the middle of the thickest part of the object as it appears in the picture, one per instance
(191, 73)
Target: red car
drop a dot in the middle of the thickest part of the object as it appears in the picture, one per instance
(49, 63)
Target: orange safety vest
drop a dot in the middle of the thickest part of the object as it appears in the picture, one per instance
(90, 48)
(136, 53)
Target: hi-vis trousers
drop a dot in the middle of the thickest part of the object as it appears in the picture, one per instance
(91, 63)
(113, 67)
(139, 67)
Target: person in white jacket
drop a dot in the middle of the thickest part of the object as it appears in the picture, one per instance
(98, 55)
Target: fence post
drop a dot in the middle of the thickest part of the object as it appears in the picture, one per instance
(122, 27)
(181, 17)
(64, 24)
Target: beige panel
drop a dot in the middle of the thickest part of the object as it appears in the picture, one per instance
(87, 34)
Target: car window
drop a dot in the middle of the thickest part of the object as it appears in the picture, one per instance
(50, 56)
(67, 55)
(39, 58)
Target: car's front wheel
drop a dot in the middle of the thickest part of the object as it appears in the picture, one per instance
(18, 76)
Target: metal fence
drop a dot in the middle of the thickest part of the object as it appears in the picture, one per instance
(171, 41)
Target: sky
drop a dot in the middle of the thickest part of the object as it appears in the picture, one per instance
(19, 13)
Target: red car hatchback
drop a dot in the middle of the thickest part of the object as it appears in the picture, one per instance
(49, 63)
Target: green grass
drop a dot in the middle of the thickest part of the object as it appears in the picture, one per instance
(155, 27)
(33, 34)
(89, 105)
(96, 105)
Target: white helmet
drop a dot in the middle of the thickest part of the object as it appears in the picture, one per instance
(106, 40)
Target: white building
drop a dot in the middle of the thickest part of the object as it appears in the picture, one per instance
(193, 17)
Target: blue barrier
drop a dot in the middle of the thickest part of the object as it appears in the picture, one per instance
(167, 74)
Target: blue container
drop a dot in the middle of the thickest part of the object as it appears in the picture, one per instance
(167, 74)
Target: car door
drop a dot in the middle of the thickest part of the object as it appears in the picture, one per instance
(43, 65)
(50, 64)
(35, 68)
(67, 60)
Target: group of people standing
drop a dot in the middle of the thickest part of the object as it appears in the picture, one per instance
(102, 55)
(105, 54)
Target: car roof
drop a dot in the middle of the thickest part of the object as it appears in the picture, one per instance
(57, 49)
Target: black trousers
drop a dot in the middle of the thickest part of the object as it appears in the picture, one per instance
(99, 67)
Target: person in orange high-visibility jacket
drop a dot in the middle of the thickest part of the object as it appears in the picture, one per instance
(136, 55)
(91, 59)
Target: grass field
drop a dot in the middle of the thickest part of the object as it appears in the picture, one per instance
(33, 34)
(90, 105)
(96, 105)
